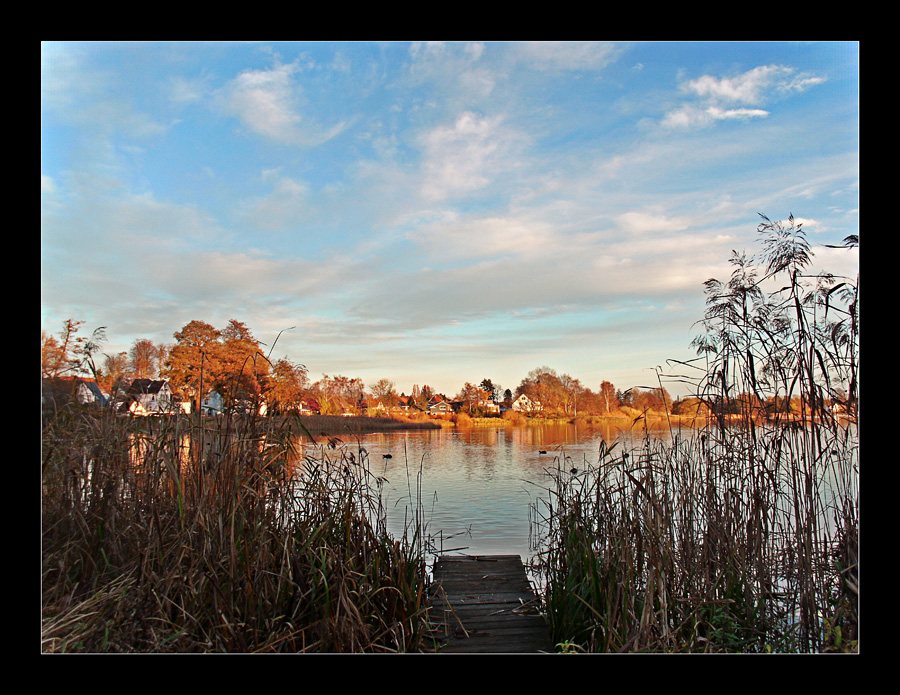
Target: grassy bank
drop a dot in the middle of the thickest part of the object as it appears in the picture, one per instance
(162, 535)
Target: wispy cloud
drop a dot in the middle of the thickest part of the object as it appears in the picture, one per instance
(642, 222)
(718, 97)
(268, 102)
(466, 155)
(455, 71)
(566, 55)
(92, 99)
(406, 204)
(287, 205)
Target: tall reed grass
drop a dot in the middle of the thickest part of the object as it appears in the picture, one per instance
(222, 535)
(741, 535)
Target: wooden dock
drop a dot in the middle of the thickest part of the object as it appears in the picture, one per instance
(485, 603)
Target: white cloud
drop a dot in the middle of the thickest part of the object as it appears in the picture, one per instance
(475, 50)
(747, 88)
(735, 114)
(183, 90)
(267, 102)
(83, 95)
(485, 237)
(641, 223)
(465, 156)
(453, 70)
(692, 116)
(753, 86)
(717, 94)
(566, 55)
(287, 203)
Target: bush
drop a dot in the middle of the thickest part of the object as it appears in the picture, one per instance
(462, 420)
(515, 417)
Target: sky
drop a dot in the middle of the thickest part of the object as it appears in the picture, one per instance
(435, 213)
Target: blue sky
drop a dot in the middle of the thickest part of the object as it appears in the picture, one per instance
(434, 213)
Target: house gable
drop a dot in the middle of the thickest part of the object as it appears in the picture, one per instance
(67, 389)
(150, 396)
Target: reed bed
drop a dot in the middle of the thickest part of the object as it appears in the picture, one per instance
(741, 535)
(745, 543)
(222, 535)
(359, 424)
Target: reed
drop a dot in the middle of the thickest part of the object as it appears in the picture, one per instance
(222, 535)
(740, 535)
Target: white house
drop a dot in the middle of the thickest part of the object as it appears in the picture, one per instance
(212, 404)
(524, 404)
(151, 397)
(82, 390)
(440, 408)
(488, 406)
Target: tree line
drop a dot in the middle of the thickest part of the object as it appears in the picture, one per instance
(748, 333)
(233, 362)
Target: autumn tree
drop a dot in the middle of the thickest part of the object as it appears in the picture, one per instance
(608, 399)
(662, 401)
(420, 397)
(143, 359)
(471, 396)
(544, 385)
(244, 365)
(58, 354)
(384, 391)
(161, 355)
(114, 373)
(71, 354)
(492, 389)
(339, 393)
(195, 357)
(570, 391)
(690, 406)
(286, 386)
(650, 399)
(53, 359)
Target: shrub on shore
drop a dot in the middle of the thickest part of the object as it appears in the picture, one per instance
(514, 417)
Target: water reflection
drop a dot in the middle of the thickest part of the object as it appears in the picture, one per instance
(476, 486)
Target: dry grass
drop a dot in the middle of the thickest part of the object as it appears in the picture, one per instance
(166, 536)
(736, 536)
(340, 425)
(745, 543)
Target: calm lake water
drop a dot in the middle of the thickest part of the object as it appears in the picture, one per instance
(477, 485)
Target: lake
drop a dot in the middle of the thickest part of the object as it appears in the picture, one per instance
(478, 484)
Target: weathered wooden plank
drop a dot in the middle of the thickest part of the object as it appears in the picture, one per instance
(486, 604)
